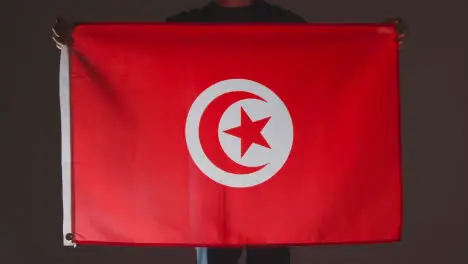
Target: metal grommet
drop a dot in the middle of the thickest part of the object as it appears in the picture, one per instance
(69, 236)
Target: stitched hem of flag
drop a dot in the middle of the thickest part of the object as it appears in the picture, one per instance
(64, 90)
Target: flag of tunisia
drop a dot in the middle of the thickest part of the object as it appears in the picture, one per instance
(228, 135)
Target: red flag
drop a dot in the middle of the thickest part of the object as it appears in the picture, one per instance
(231, 135)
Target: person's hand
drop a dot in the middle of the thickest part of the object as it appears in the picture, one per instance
(62, 32)
(400, 26)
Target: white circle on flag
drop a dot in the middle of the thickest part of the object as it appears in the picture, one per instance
(278, 133)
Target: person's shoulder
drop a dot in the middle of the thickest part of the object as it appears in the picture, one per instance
(193, 15)
(281, 14)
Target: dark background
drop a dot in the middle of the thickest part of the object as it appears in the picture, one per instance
(434, 112)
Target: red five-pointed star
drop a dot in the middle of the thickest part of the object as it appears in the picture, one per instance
(249, 132)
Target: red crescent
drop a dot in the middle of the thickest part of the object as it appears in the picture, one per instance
(208, 132)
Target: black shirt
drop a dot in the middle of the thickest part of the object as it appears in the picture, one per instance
(259, 11)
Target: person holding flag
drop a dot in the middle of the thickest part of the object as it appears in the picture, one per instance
(221, 11)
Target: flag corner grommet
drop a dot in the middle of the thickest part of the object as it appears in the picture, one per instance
(68, 240)
(69, 237)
